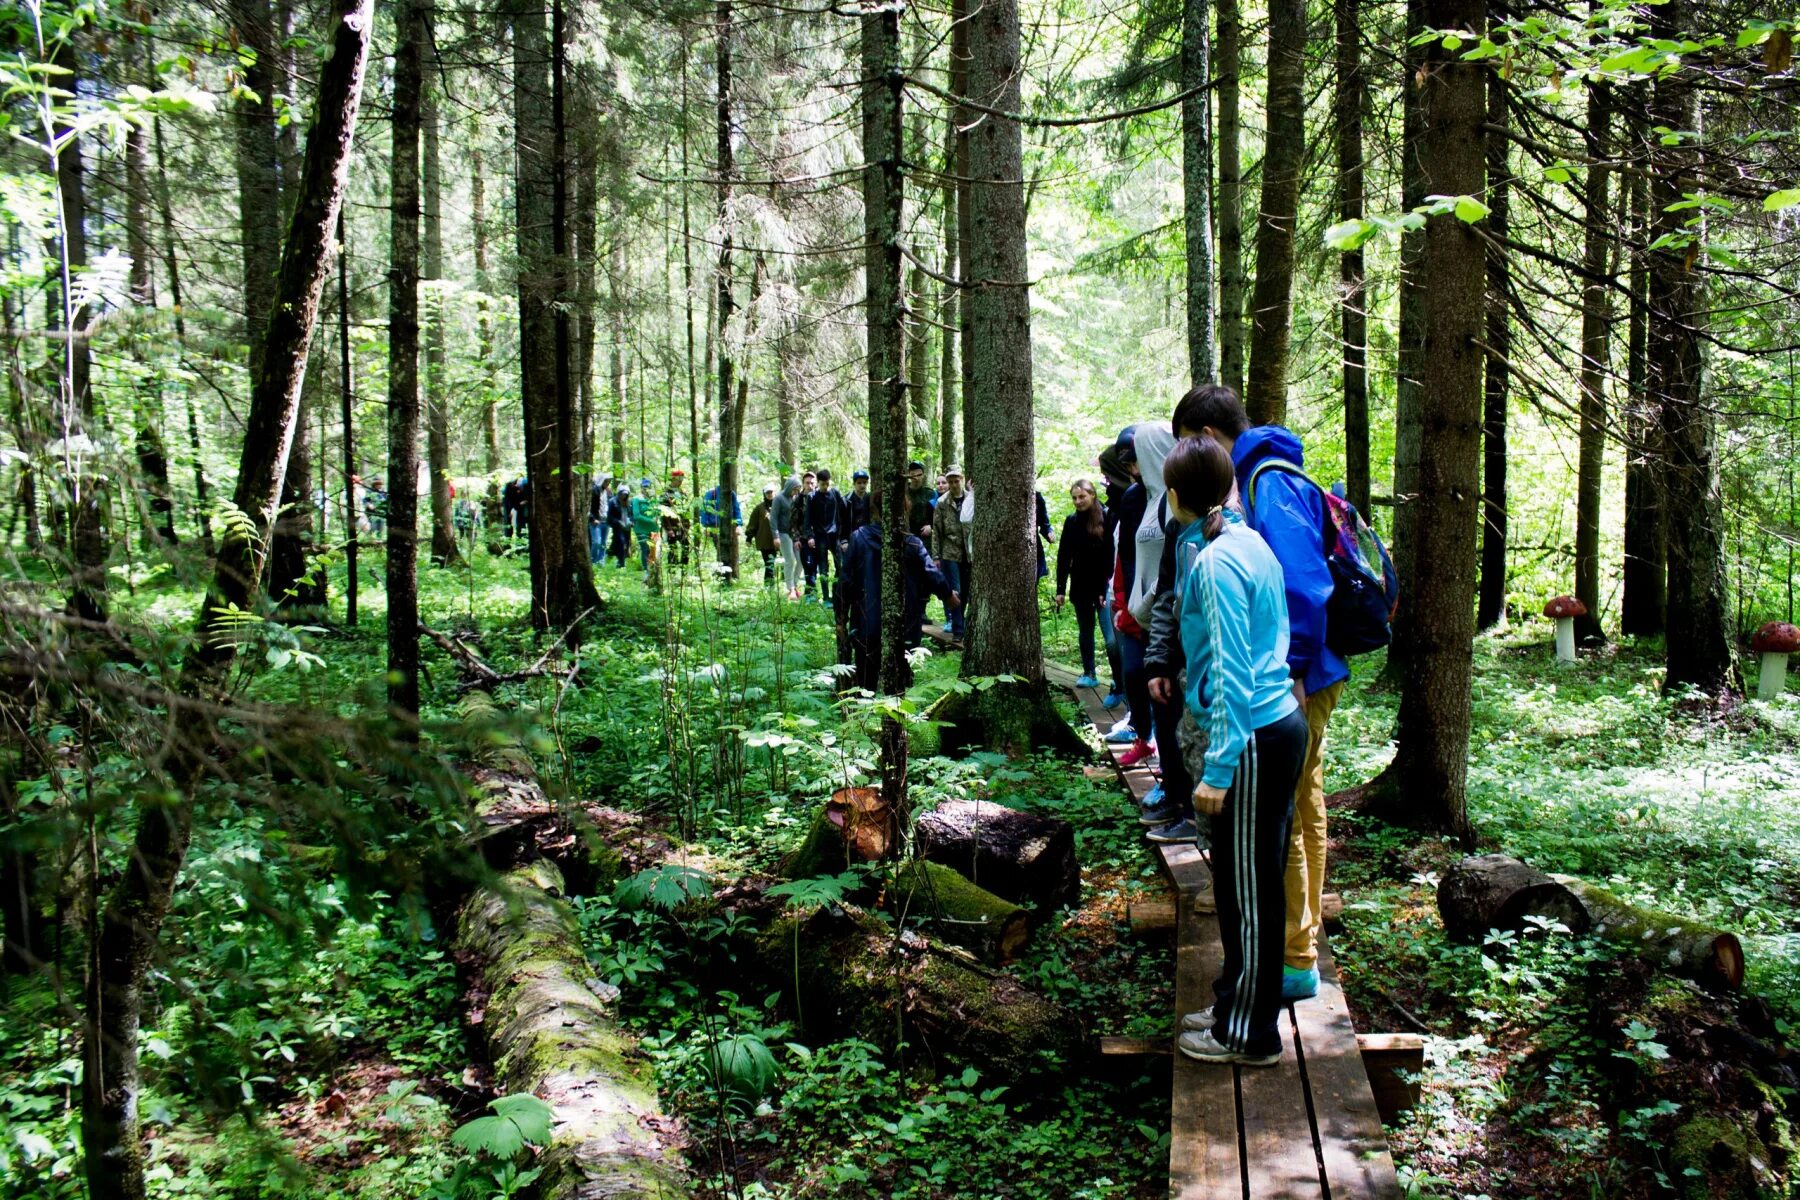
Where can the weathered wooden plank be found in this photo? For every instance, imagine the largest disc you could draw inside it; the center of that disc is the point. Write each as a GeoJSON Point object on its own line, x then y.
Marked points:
{"type": "Point", "coordinates": [1151, 916]}
{"type": "Point", "coordinates": [1122, 1047]}
{"type": "Point", "coordinates": [1392, 1062]}
{"type": "Point", "coordinates": [1204, 1161]}
{"type": "Point", "coordinates": [1279, 1147]}
{"type": "Point", "coordinates": [1351, 1142]}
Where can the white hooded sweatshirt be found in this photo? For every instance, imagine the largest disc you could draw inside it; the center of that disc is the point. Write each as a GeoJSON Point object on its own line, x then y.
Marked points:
{"type": "Point", "coordinates": [1153, 442]}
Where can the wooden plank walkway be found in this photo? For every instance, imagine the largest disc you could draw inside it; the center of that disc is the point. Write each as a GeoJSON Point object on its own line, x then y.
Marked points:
{"type": "Point", "coordinates": [1305, 1129]}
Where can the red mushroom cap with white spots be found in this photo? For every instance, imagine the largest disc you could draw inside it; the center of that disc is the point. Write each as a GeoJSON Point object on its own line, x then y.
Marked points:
{"type": "Point", "coordinates": [1777, 637]}
{"type": "Point", "coordinates": [1565, 606]}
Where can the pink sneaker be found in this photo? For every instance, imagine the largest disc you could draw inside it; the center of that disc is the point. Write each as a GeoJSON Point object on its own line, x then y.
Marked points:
{"type": "Point", "coordinates": [1139, 751]}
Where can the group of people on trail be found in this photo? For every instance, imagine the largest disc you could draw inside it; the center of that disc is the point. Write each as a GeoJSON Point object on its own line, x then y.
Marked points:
{"type": "Point", "coordinates": [1216, 574]}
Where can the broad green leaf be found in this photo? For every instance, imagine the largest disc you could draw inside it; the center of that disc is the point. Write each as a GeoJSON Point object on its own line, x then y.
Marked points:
{"type": "Point", "coordinates": [1470, 210]}
{"type": "Point", "coordinates": [1784, 199]}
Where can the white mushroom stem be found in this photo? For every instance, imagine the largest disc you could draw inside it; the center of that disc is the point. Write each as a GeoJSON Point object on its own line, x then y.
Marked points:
{"type": "Point", "coordinates": [1565, 639]}
{"type": "Point", "coordinates": [1774, 675]}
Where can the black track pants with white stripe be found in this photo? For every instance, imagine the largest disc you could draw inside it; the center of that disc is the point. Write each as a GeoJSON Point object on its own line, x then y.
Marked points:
{"type": "Point", "coordinates": [1249, 860]}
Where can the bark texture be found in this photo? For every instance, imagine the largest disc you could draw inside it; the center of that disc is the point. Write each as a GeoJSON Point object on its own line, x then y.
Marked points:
{"type": "Point", "coordinates": [1229, 57]}
{"type": "Point", "coordinates": [1643, 597]}
{"type": "Point", "coordinates": [437, 360]}
{"type": "Point", "coordinates": [403, 364]}
{"type": "Point", "coordinates": [1272, 297]}
{"type": "Point", "coordinates": [1596, 336]}
{"type": "Point", "coordinates": [1490, 605]}
{"type": "Point", "coordinates": [1196, 191]}
{"type": "Point", "coordinates": [1431, 760]}
{"type": "Point", "coordinates": [1353, 319]}
{"type": "Point", "coordinates": [1024, 857]}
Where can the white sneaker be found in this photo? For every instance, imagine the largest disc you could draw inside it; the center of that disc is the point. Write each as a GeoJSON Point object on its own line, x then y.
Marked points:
{"type": "Point", "coordinates": [1195, 1021]}
{"type": "Point", "coordinates": [1202, 1046]}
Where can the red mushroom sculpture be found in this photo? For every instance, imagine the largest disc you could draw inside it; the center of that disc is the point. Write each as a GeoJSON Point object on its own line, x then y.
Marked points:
{"type": "Point", "coordinates": [1773, 643]}
{"type": "Point", "coordinates": [1563, 610]}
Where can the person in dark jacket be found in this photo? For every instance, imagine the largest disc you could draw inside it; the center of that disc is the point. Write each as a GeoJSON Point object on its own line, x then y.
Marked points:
{"type": "Point", "coordinates": [803, 539]}
{"type": "Point", "coordinates": [1044, 534]}
{"type": "Point", "coordinates": [824, 514]}
{"type": "Point", "coordinates": [859, 599]}
{"type": "Point", "coordinates": [618, 519]}
{"type": "Point", "coordinates": [856, 507]}
{"type": "Point", "coordinates": [1084, 563]}
{"type": "Point", "coordinates": [922, 497]}
{"type": "Point", "coordinates": [761, 534]}
{"type": "Point", "coordinates": [600, 500]}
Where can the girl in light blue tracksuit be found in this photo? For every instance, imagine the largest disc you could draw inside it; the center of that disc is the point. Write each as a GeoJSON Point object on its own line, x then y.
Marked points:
{"type": "Point", "coordinates": [1234, 629]}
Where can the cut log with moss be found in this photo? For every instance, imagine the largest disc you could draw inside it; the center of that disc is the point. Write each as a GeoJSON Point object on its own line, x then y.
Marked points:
{"type": "Point", "coordinates": [1013, 718]}
{"type": "Point", "coordinates": [1493, 891]}
{"type": "Point", "coordinates": [941, 903]}
{"type": "Point", "coordinates": [1679, 945]}
{"type": "Point", "coordinates": [1024, 857]}
{"type": "Point", "coordinates": [548, 1024]}
{"type": "Point", "coordinates": [854, 826]}
{"type": "Point", "coordinates": [849, 974]}
{"type": "Point", "coordinates": [550, 1030]}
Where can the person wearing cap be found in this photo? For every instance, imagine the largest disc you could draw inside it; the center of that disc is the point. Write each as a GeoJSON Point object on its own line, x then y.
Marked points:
{"type": "Point", "coordinates": [646, 519]}
{"type": "Point", "coordinates": [618, 520]}
{"type": "Point", "coordinates": [856, 507]}
{"type": "Point", "coordinates": [950, 543]}
{"type": "Point", "coordinates": [675, 519]}
{"type": "Point", "coordinates": [760, 533]}
{"type": "Point", "coordinates": [921, 498]}
{"type": "Point", "coordinates": [782, 516]}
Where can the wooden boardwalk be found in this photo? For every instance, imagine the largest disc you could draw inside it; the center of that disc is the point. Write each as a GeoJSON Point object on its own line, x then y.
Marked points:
{"type": "Point", "coordinates": [1305, 1129]}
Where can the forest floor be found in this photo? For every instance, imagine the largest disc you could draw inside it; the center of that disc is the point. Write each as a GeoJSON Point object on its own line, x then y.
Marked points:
{"type": "Point", "coordinates": [310, 1039]}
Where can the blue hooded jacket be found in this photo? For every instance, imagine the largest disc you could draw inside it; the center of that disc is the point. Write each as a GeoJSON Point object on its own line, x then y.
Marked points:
{"type": "Point", "coordinates": [859, 600]}
{"type": "Point", "coordinates": [1290, 515]}
{"type": "Point", "coordinates": [1234, 632]}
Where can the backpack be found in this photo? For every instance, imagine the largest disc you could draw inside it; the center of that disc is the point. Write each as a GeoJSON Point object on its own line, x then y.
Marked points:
{"type": "Point", "coordinates": [1365, 592]}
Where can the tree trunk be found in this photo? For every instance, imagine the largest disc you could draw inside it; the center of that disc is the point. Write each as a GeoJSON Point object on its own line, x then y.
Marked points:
{"type": "Point", "coordinates": [1021, 856]}
{"type": "Point", "coordinates": [294, 586]}
{"type": "Point", "coordinates": [1490, 606]}
{"type": "Point", "coordinates": [1196, 192]}
{"type": "Point", "coordinates": [171, 261]}
{"type": "Point", "coordinates": [484, 322]}
{"type": "Point", "coordinates": [787, 407]}
{"type": "Point", "coordinates": [134, 911]}
{"type": "Point", "coordinates": [1431, 759]}
{"type": "Point", "coordinates": [403, 366]}
{"type": "Point", "coordinates": [1408, 431]}
{"type": "Point", "coordinates": [437, 359]}
{"type": "Point", "coordinates": [1004, 638]}
{"type": "Point", "coordinates": [87, 512]}
{"type": "Point", "coordinates": [1229, 53]}
{"type": "Point", "coordinates": [585, 169]}
{"type": "Point", "coordinates": [1714, 957]}
{"type": "Point", "coordinates": [1642, 597]}
{"type": "Point", "coordinates": [729, 431]}
{"type": "Point", "coordinates": [960, 118]}
{"type": "Point", "coordinates": [258, 169]}
{"type": "Point", "coordinates": [687, 282]}
{"type": "Point", "coordinates": [562, 582]}
{"type": "Point", "coordinates": [346, 402]}
{"type": "Point", "coordinates": [949, 373]}
{"type": "Point", "coordinates": [1272, 295]}
{"type": "Point", "coordinates": [1351, 98]}
{"type": "Point", "coordinates": [1596, 333]}
{"type": "Point", "coordinates": [617, 376]}
{"type": "Point", "coordinates": [1701, 657]}
{"type": "Point", "coordinates": [889, 440]}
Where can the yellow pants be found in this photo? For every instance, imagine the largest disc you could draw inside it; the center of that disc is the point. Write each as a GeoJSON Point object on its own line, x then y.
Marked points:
{"type": "Point", "coordinates": [1306, 849]}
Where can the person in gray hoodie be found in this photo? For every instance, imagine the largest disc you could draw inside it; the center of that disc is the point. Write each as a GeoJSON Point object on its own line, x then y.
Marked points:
{"type": "Point", "coordinates": [781, 515]}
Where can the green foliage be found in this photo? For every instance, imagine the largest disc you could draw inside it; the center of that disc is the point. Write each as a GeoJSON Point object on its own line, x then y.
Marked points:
{"type": "Point", "coordinates": [516, 1122]}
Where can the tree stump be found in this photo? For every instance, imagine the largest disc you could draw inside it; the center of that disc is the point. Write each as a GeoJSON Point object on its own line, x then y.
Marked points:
{"type": "Point", "coordinates": [954, 910]}
{"type": "Point", "coordinates": [854, 826]}
{"type": "Point", "coordinates": [1024, 857]}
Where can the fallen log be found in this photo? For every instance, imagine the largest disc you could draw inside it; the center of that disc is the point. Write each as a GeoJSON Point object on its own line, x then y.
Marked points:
{"type": "Point", "coordinates": [942, 903]}
{"type": "Point", "coordinates": [550, 1031]}
{"type": "Point", "coordinates": [849, 974]}
{"type": "Point", "coordinates": [1493, 891]}
{"type": "Point", "coordinates": [1714, 957]}
{"type": "Point", "coordinates": [548, 1025]}
{"type": "Point", "coordinates": [1025, 857]}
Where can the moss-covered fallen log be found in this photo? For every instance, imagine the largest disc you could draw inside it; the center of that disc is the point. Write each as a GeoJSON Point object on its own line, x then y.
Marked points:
{"type": "Point", "coordinates": [944, 905]}
{"type": "Point", "coordinates": [1027, 858]}
{"type": "Point", "coordinates": [850, 974]}
{"type": "Point", "coordinates": [547, 1023]}
{"type": "Point", "coordinates": [550, 1031]}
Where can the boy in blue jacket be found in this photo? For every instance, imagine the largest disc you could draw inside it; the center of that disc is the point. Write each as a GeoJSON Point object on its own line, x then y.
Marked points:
{"type": "Point", "coordinates": [1234, 632]}
{"type": "Point", "coordinates": [1289, 512]}
{"type": "Point", "coordinates": [859, 595]}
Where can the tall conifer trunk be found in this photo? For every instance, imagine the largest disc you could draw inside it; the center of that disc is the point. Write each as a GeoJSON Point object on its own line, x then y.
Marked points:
{"type": "Point", "coordinates": [1643, 597]}
{"type": "Point", "coordinates": [729, 431]}
{"type": "Point", "coordinates": [1229, 58]}
{"type": "Point", "coordinates": [1272, 296]}
{"type": "Point", "coordinates": [1352, 96]}
{"type": "Point", "coordinates": [1700, 655]}
{"type": "Point", "coordinates": [1490, 606]}
{"type": "Point", "coordinates": [403, 365]}
{"type": "Point", "coordinates": [1196, 191]}
{"type": "Point", "coordinates": [1432, 742]}
{"type": "Point", "coordinates": [1596, 334]}
{"type": "Point", "coordinates": [437, 360]}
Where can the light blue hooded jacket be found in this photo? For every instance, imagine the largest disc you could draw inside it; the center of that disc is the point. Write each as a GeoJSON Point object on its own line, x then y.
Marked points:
{"type": "Point", "coordinates": [1234, 628]}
